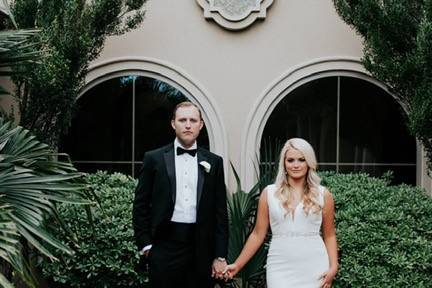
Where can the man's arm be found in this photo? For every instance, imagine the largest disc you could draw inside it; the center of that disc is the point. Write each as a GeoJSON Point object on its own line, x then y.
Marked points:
{"type": "Point", "coordinates": [221, 229]}
{"type": "Point", "coordinates": [141, 214]}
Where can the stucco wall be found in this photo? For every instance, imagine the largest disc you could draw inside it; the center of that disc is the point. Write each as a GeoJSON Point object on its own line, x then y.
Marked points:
{"type": "Point", "coordinates": [234, 71]}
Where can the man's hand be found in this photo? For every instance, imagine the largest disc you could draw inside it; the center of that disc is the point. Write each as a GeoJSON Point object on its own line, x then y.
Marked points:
{"type": "Point", "coordinates": [218, 268]}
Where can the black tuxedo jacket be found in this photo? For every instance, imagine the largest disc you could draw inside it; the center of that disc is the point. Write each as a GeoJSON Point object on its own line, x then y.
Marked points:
{"type": "Point", "coordinates": [155, 198]}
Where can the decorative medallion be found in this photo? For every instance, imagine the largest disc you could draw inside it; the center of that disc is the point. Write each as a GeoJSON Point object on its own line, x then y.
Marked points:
{"type": "Point", "coordinates": [235, 14]}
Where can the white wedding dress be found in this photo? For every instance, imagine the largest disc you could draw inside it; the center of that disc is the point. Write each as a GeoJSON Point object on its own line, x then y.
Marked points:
{"type": "Point", "coordinates": [297, 255]}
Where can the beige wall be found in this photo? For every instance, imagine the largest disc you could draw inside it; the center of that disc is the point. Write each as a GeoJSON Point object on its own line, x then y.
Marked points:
{"type": "Point", "coordinates": [238, 75]}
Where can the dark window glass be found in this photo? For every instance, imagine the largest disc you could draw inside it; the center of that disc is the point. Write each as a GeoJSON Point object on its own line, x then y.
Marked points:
{"type": "Point", "coordinates": [154, 103]}
{"type": "Point", "coordinates": [322, 167]}
{"type": "Point", "coordinates": [109, 167]}
{"type": "Point", "coordinates": [401, 174]}
{"type": "Point", "coordinates": [372, 128]}
{"type": "Point", "coordinates": [103, 128]}
{"type": "Point", "coordinates": [308, 112]}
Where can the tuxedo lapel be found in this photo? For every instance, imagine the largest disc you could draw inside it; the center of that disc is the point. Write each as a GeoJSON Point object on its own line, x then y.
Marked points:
{"type": "Point", "coordinates": [170, 166]}
{"type": "Point", "coordinates": [201, 175]}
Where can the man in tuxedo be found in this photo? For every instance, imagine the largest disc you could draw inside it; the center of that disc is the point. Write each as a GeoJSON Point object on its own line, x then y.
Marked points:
{"type": "Point", "coordinates": [180, 212]}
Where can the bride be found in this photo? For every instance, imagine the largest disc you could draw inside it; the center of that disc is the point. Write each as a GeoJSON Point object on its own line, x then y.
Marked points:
{"type": "Point", "coordinates": [297, 208]}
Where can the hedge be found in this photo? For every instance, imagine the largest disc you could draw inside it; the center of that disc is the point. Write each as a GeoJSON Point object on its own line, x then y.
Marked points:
{"type": "Point", "coordinates": [384, 232]}
{"type": "Point", "coordinates": [107, 255]}
{"type": "Point", "coordinates": [384, 235]}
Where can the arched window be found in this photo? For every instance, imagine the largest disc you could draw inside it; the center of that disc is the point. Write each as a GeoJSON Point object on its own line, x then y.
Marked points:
{"type": "Point", "coordinates": [119, 120]}
{"type": "Point", "coordinates": [353, 125]}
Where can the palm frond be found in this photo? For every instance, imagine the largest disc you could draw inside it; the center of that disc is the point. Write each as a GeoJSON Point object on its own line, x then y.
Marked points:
{"type": "Point", "coordinates": [32, 180]}
{"type": "Point", "coordinates": [5, 8]}
{"type": "Point", "coordinates": [242, 211]}
{"type": "Point", "coordinates": [16, 49]}
{"type": "Point", "coordinates": [242, 208]}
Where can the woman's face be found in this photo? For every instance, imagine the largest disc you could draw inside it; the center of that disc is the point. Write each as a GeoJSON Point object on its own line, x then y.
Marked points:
{"type": "Point", "coordinates": [295, 164]}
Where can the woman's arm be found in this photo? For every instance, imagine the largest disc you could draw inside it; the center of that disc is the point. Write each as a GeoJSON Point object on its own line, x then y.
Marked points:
{"type": "Point", "coordinates": [255, 239]}
{"type": "Point", "coordinates": [329, 237]}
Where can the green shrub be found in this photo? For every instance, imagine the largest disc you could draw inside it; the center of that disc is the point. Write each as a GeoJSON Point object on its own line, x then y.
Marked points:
{"type": "Point", "coordinates": [107, 254]}
{"type": "Point", "coordinates": [384, 232]}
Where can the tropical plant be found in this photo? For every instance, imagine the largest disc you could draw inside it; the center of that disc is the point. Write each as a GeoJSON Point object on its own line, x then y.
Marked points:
{"type": "Point", "coordinates": [72, 34]}
{"type": "Point", "coordinates": [32, 181]}
{"type": "Point", "coordinates": [15, 49]}
{"type": "Point", "coordinates": [242, 209]}
{"type": "Point", "coordinates": [397, 38]}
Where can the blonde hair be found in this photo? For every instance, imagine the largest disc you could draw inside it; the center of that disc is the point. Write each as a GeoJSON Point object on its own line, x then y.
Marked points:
{"type": "Point", "coordinates": [311, 193]}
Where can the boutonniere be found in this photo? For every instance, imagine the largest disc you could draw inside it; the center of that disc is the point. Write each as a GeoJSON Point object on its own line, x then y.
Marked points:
{"type": "Point", "coordinates": [206, 166]}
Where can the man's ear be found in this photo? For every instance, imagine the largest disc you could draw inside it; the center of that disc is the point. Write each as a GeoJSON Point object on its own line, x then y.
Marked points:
{"type": "Point", "coordinates": [172, 124]}
{"type": "Point", "coordinates": [201, 124]}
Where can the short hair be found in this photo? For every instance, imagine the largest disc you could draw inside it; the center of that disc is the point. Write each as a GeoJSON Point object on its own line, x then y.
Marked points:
{"type": "Point", "coordinates": [185, 104]}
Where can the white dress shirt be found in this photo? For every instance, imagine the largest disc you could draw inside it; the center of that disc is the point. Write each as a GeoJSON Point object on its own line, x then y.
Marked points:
{"type": "Point", "coordinates": [186, 170]}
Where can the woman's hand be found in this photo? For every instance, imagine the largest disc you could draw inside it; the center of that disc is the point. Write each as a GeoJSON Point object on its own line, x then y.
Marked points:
{"type": "Point", "coordinates": [327, 277]}
{"type": "Point", "coordinates": [230, 271]}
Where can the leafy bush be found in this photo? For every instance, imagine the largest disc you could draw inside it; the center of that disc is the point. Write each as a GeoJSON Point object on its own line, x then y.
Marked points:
{"type": "Point", "coordinates": [384, 232]}
{"type": "Point", "coordinates": [107, 255]}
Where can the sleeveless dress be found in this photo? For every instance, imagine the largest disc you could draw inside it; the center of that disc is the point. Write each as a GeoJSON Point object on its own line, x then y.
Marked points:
{"type": "Point", "coordinates": [297, 255]}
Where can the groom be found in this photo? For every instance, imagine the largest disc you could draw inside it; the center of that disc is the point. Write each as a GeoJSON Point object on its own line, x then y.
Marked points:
{"type": "Point", "coordinates": [180, 211]}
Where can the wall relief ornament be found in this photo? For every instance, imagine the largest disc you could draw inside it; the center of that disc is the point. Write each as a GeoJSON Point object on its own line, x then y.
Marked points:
{"type": "Point", "coordinates": [235, 14]}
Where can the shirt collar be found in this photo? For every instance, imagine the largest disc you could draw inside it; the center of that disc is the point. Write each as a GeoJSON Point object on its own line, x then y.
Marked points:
{"type": "Point", "coordinates": [177, 144]}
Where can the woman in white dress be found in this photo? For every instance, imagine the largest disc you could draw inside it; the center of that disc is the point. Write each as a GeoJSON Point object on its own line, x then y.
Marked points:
{"type": "Point", "coordinates": [296, 208]}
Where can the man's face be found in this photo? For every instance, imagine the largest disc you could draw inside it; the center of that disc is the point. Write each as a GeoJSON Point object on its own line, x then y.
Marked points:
{"type": "Point", "coordinates": [187, 125]}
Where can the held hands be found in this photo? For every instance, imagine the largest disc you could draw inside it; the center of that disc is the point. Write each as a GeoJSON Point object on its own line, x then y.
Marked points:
{"type": "Point", "coordinates": [230, 271]}
{"type": "Point", "coordinates": [327, 278]}
{"type": "Point", "coordinates": [146, 253]}
{"type": "Point", "coordinates": [218, 268]}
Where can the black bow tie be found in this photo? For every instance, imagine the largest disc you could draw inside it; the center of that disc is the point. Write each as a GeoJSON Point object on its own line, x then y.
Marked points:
{"type": "Point", "coordinates": [191, 152]}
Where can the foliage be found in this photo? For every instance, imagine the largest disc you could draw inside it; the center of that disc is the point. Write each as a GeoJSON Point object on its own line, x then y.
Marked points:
{"type": "Point", "coordinates": [107, 254]}
{"type": "Point", "coordinates": [384, 232]}
{"type": "Point", "coordinates": [32, 180]}
{"type": "Point", "coordinates": [15, 49]}
{"type": "Point", "coordinates": [398, 51]}
{"type": "Point", "coordinates": [242, 209]}
{"type": "Point", "coordinates": [72, 33]}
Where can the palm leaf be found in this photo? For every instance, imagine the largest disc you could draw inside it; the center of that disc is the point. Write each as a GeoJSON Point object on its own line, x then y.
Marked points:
{"type": "Point", "coordinates": [4, 282]}
{"type": "Point", "coordinates": [15, 50]}
{"type": "Point", "coordinates": [4, 8]}
{"type": "Point", "coordinates": [242, 208]}
{"type": "Point", "coordinates": [32, 180]}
